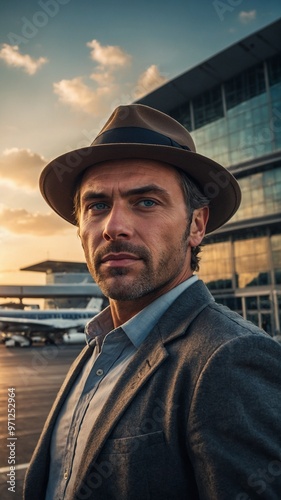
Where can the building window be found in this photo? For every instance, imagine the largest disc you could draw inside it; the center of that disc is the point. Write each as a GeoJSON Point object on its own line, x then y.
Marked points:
{"type": "Point", "coordinates": [252, 262]}
{"type": "Point", "coordinates": [245, 86]}
{"type": "Point", "coordinates": [276, 256]}
{"type": "Point", "coordinates": [261, 195]}
{"type": "Point", "coordinates": [258, 309]}
{"type": "Point", "coordinates": [216, 265]}
{"type": "Point", "coordinates": [274, 77]}
{"type": "Point", "coordinates": [274, 70]}
{"type": "Point", "coordinates": [234, 303]}
{"type": "Point", "coordinates": [182, 115]}
{"type": "Point", "coordinates": [208, 107]}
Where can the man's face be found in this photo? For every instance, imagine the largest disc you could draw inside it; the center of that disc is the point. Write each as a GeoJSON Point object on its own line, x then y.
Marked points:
{"type": "Point", "coordinates": [133, 226]}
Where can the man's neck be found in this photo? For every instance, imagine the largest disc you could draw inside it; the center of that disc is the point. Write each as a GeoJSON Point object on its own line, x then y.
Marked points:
{"type": "Point", "coordinates": [122, 311]}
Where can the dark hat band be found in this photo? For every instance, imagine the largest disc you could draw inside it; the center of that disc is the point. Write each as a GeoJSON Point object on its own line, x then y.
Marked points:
{"type": "Point", "coordinates": [136, 135]}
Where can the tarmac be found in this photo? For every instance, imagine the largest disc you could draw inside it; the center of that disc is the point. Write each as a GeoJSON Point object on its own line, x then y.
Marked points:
{"type": "Point", "coordinates": [29, 381]}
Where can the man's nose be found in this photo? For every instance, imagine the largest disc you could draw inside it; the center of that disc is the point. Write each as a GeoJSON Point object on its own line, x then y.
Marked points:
{"type": "Point", "coordinates": [118, 224]}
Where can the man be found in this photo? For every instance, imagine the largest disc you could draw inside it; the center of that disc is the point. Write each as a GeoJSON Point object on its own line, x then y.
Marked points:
{"type": "Point", "coordinates": [175, 396]}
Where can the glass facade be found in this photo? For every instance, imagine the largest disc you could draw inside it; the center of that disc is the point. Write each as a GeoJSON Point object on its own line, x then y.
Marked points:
{"type": "Point", "coordinates": [261, 194]}
{"type": "Point", "coordinates": [276, 257]}
{"type": "Point", "coordinates": [239, 120]}
{"type": "Point", "coordinates": [208, 107]}
{"type": "Point", "coordinates": [233, 265]}
{"type": "Point", "coordinates": [242, 260]}
{"type": "Point", "coordinates": [217, 265]}
{"type": "Point", "coordinates": [274, 76]}
{"type": "Point", "coordinates": [237, 123]}
{"type": "Point", "coordinates": [252, 265]}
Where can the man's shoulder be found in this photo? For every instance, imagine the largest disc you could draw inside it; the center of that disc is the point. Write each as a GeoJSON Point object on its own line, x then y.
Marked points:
{"type": "Point", "coordinates": [217, 325]}
{"type": "Point", "coordinates": [218, 336]}
{"type": "Point", "coordinates": [205, 325]}
{"type": "Point", "coordinates": [235, 321]}
{"type": "Point", "coordinates": [199, 304]}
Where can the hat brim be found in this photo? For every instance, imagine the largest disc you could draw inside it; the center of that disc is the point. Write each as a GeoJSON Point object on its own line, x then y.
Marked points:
{"type": "Point", "coordinates": [59, 178]}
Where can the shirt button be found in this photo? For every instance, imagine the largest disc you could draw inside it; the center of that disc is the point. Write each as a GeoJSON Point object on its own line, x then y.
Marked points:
{"type": "Point", "coordinates": [99, 372]}
{"type": "Point", "coordinates": [65, 475]}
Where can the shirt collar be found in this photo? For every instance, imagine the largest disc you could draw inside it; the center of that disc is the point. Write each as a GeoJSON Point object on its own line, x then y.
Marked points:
{"type": "Point", "coordinates": [99, 326]}
{"type": "Point", "coordinates": [139, 326]}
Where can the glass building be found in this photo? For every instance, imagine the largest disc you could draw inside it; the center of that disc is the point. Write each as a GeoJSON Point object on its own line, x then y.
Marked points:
{"type": "Point", "coordinates": [231, 104]}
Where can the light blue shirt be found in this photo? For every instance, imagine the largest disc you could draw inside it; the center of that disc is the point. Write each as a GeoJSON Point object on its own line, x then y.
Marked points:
{"type": "Point", "coordinates": [114, 349]}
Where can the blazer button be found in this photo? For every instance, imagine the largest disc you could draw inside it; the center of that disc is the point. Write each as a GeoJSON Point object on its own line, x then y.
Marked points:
{"type": "Point", "coordinates": [99, 372]}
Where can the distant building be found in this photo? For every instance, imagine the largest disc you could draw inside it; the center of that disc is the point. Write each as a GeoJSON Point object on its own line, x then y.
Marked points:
{"type": "Point", "coordinates": [231, 104]}
{"type": "Point", "coordinates": [61, 273]}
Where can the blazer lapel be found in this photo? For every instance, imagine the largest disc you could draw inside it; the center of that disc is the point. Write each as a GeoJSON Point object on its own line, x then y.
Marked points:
{"type": "Point", "coordinates": [146, 361]}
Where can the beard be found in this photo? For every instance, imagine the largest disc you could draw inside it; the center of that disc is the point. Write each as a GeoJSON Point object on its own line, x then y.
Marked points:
{"type": "Point", "coordinates": [121, 284]}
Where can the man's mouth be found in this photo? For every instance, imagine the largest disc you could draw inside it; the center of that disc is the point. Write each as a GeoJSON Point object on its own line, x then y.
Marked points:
{"type": "Point", "coordinates": [119, 259]}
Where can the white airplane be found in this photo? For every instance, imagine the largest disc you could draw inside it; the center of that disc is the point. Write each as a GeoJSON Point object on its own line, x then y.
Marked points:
{"type": "Point", "coordinates": [24, 327]}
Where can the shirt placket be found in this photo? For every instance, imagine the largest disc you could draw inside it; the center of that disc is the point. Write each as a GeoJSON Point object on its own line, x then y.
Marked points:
{"type": "Point", "coordinates": [100, 368]}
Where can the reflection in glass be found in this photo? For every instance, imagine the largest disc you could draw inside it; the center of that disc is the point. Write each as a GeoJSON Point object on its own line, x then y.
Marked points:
{"type": "Point", "coordinates": [208, 107]}
{"type": "Point", "coordinates": [215, 267]}
{"type": "Point", "coordinates": [261, 195]}
{"type": "Point", "coordinates": [245, 86]}
{"type": "Point", "coordinates": [252, 262]}
{"type": "Point", "coordinates": [235, 122]}
{"type": "Point", "coordinates": [249, 126]}
{"type": "Point", "coordinates": [276, 256]}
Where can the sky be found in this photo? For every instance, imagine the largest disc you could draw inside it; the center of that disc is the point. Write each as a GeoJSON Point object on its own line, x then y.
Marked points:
{"type": "Point", "coordinates": [64, 66]}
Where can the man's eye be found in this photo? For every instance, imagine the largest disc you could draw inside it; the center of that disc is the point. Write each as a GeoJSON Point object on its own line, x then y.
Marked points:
{"type": "Point", "coordinates": [147, 203]}
{"type": "Point", "coordinates": [98, 206]}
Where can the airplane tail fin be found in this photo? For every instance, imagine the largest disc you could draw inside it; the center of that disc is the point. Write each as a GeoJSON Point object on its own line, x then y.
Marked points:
{"type": "Point", "coordinates": [95, 303]}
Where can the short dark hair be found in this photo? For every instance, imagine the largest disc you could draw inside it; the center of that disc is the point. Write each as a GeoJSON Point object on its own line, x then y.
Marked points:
{"type": "Point", "coordinates": [194, 199]}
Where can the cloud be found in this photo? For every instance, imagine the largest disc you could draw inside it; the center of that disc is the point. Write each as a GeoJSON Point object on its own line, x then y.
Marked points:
{"type": "Point", "coordinates": [103, 78]}
{"type": "Point", "coordinates": [94, 100]}
{"type": "Point", "coordinates": [108, 55]}
{"type": "Point", "coordinates": [20, 221]}
{"type": "Point", "coordinates": [82, 97]}
{"type": "Point", "coordinates": [247, 17]}
{"type": "Point", "coordinates": [11, 55]}
{"type": "Point", "coordinates": [149, 80]}
{"type": "Point", "coordinates": [21, 166]}
{"type": "Point", "coordinates": [106, 89]}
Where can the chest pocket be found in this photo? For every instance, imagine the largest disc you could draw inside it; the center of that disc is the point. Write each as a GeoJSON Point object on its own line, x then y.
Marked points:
{"type": "Point", "coordinates": [135, 447]}
{"type": "Point", "coordinates": [125, 465]}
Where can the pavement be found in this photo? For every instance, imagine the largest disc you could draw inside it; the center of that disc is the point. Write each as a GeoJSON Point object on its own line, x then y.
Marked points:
{"type": "Point", "coordinates": [29, 381]}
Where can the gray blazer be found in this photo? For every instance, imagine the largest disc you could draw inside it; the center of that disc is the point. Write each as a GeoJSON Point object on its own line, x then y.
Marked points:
{"type": "Point", "coordinates": [195, 415]}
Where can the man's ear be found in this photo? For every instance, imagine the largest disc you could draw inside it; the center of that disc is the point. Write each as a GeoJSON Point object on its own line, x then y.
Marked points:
{"type": "Point", "coordinates": [198, 226]}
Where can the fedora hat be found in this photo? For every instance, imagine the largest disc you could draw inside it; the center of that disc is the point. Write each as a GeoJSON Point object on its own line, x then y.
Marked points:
{"type": "Point", "coordinates": [138, 131]}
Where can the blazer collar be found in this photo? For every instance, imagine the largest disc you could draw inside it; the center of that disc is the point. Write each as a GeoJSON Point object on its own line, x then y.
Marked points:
{"type": "Point", "coordinates": [184, 310]}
